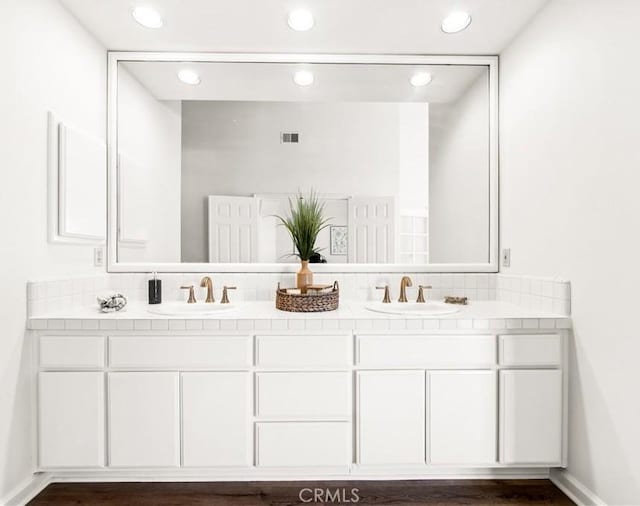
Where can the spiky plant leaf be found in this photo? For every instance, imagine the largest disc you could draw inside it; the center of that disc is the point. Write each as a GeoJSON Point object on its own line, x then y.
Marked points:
{"type": "Point", "coordinates": [305, 221]}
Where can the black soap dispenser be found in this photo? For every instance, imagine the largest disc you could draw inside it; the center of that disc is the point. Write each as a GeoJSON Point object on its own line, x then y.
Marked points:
{"type": "Point", "coordinates": [155, 290]}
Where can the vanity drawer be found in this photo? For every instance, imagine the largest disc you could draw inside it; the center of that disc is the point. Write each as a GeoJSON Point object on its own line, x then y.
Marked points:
{"type": "Point", "coordinates": [426, 351]}
{"type": "Point", "coordinates": [306, 395]}
{"type": "Point", "coordinates": [187, 352]}
{"type": "Point", "coordinates": [72, 352]}
{"type": "Point", "coordinates": [285, 444]}
{"type": "Point", "coordinates": [303, 351]}
{"type": "Point", "coordinates": [530, 349]}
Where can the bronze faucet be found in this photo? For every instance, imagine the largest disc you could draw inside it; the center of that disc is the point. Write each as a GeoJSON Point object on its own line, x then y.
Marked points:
{"type": "Point", "coordinates": [421, 289]}
{"type": "Point", "coordinates": [192, 297]}
{"type": "Point", "coordinates": [225, 297]}
{"type": "Point", "coordinates": [387, 297]}
{"type": "Point", "coordinates": [404, 283]}
{"type": "Point", "coordinates": [208, 284]}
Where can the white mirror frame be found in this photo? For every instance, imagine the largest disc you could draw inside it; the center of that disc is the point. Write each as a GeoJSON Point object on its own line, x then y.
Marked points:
{"type": "Point", "coordinates": [114, 57]}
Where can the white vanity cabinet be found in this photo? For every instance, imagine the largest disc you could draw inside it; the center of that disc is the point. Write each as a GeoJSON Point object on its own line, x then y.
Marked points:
{"type": "Point", "coordinates": [299, 403]}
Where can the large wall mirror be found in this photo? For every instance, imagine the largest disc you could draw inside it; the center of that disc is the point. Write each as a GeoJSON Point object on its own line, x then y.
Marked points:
{"type": "Point", "coordinates": [206, 150]}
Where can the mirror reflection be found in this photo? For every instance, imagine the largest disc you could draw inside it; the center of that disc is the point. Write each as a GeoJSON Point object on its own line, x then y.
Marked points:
{"type": "Point", "coordinates": [398, 154]}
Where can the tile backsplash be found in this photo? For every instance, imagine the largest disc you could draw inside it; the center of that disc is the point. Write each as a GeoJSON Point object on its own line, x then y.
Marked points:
{"type": "Point", "coordinates": [533, 293]}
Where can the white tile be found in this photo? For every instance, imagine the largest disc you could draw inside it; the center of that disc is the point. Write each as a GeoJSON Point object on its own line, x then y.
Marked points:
{"type": "Point", "coordinates": [228, 324]}
{"type": "Point", "coordinates": [55, 325]}
{"type": "Point", "coordinates": [313, 323]}
{"type": "Point", "coordinates": [108, 325]}
{"type": "Point", "coordinates": [295, 324]}
{"type": "Point", "coordinates": [547, 289]}
{"type": "Point", "coordinates": [530, 323]}
{"type": "Point", "coordinates": [497, 324]}
{"type": "Point", "coordinates": [364, 325]}
{"type": "Point", "coordinates": [464, 324]}
{"type": "Point", "coordinates": [211, 325]}
{"type": "Point", "coordinates": [124, 324]}
{"type": "Point", "coordinates": [73, 324]}
{"type": "Point", "coordinates": [414, 324]}
{"type": "Point", "coordinates": [193, 324]}
{"type": "Point", "coordinates": [380, 324]}
{"type": "Point", "coordinates": [142, 324]}
{"type": "Point", "coordinates": [331, 324]}
{"type": "Point", "coordinates": [346, 324]}
{"type": "Point", "coordinates": [398, 324]}
{"type": "Point", "coordinates": [547, 323]}
{"type": "Point", "coordinates": [481, 324]}
{"type": "Point", "coordinates": [431, 324]}
{"type": "Point", "coordinates": [448, 324]}
{"type": "Point", "coordinates": [470, 281]}
{"type": "Point", "coordinates": [513, 323]}
{"type": "Point", "coordinates": [38, 324]}
{"type": "Point", "coordinates": [160, 324]}
{"type": "Point", "coordinates": [92, 324]}
{"type": "Point", "coordinates": [263, 324]}
{"type": "Point", "coordinates": [279, 324]}
{"type": "Point", "coordinates": [177, 325]}
{"type": "Point", "coordinates": [564, 323]}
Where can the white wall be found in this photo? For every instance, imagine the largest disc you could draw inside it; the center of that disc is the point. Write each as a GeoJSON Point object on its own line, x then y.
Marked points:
{"type": "Point", "coordinates": [149, 133]}
{"type": "Point", "coordinates": [233, 148]}
{"type": "Point", "coordinates": [48, 63]}
{"type": "Point", "coordinates": [459, 177]}
{"type": "Point", "coordinates": [570, 172]}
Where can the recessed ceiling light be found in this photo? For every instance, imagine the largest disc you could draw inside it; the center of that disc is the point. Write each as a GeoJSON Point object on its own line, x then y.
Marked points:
{"type": "Point", "coordinates": [456, 22]}
{"type": "Point", "coordinates": [303, 78]}
{"type": "Point", "coordinates": [300, 20]}
{"type": "Point", "coordinates": [147, 17]}
{"type": "Point", "coordinates": [420, 79]}
{"type": "Point", "coordinates": [189, 77]}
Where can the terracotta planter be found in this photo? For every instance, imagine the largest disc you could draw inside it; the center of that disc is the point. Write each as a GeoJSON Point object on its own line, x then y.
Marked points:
{"type": "Point", "coordinates": [304, 276]}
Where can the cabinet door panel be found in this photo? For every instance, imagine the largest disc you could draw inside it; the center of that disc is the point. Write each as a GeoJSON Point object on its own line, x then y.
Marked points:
{"type": "Point", "coordinates": [462, 417]}
{"type": "Point", "coordinates": [143, 419]}
{"type": "Point", "coordinates": [71, 425]}
{"type": "Point", "coordinates": [391, 417]}
{"type": "Point", "coordinates": [216, 413]}
{"type": "Point", "coordinates": [531, 416]}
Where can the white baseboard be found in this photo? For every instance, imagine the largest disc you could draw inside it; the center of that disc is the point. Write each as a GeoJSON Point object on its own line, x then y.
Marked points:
{"type": "Point", "coordinates": [26, 490]}
{"type": "Point", "coordinates": [574, 489]}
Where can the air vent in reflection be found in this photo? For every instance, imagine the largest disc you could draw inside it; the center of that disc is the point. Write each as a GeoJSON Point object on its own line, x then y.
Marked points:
{"type": "Point", "coordinates": [289, 137]}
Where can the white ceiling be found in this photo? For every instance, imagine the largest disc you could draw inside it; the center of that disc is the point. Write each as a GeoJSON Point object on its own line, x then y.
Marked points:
{"type": "Point", "coordinates": [341, 26]}
{"type": "Point", "coordinates": [274, 82]}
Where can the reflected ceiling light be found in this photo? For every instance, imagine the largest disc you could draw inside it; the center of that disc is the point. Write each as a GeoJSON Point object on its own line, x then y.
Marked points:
{"type": "Point", "coordinates": [189, 77]}
{"type": "Point", "coordinates": [456, 22]}
{"type": "Point", "coordinates": [420, 79]}
{"type": "Point", "coordinates": [300, 20]}
{"type": "Point", "coordinates": [147, 17]}
{"type": "Point", "coordinates": [303, 78]}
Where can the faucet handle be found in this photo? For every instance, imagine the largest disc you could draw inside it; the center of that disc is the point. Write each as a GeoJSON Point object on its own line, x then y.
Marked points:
{"type": "Point", "coordinates": [192, 296]}
{"type": "Point", "coordinates": [421, 289]}
{"type": "Point", "coordinates": [387, 296]}
{"type": "Point", "coordinates": [225, 297]}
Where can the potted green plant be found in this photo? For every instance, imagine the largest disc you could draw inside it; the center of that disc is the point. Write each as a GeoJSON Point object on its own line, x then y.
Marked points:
{"type": "Point", "coordinates": [305, 221]}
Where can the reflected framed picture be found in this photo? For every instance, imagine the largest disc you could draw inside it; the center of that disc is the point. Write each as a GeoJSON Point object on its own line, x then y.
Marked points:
{"type": "Point", "coordinates": [338, 239]}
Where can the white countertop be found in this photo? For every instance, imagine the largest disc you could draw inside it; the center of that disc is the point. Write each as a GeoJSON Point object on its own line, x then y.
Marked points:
{"type": "Point", "coordinates": [264, 316]}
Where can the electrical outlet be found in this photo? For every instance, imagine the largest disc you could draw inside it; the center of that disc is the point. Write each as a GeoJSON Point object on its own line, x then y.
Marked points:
{"type": "Point", "coordinates": [98, 257]}
{"type": "Point", "coordinates": [506, 257]}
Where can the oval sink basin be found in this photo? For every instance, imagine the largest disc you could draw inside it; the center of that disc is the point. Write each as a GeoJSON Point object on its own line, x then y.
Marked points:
{"type": "Point", "coordinates": [414, 308]}
{"type": "Point", "coordinates": [184, 309]}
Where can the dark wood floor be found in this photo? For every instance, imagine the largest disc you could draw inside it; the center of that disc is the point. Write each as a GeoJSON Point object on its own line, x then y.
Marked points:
{"type": "Point", "coordinates": [428, 492]}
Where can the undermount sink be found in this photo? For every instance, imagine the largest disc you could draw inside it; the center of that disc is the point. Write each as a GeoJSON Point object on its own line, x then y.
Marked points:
{"type": "Point", "coordinates": [414, 308]}
{"type": "Point", "coordinates": [184, 309]}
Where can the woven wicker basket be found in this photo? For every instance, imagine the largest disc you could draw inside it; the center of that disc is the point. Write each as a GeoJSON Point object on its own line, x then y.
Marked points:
{"type": "Point", "coordinates": [308, 303]}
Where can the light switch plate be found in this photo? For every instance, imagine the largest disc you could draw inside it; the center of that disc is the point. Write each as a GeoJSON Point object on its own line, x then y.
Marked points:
{"type": "Point", "coordinates": [506, 257]}
{"type": "Point", "coordinates": [98, 257]}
